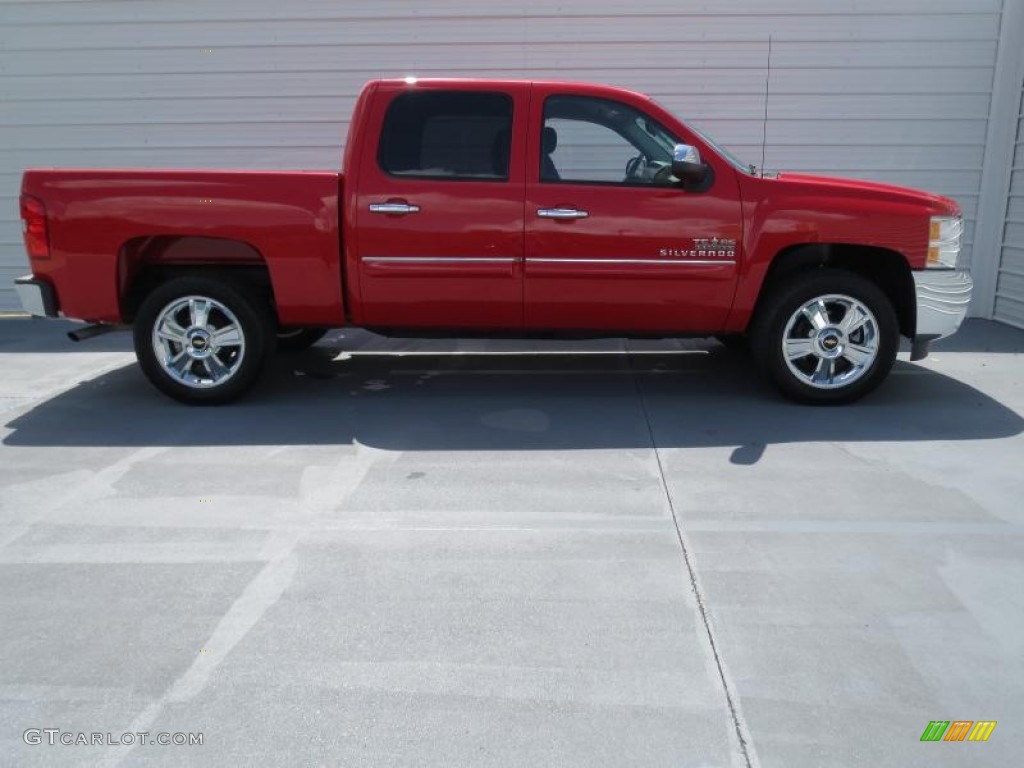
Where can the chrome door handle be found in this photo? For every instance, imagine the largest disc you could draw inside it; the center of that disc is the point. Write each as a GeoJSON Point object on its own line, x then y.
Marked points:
{"type": "Point", "coordinates": [394, 208]}
{"type": "Point", "coordinates": [561, 213]}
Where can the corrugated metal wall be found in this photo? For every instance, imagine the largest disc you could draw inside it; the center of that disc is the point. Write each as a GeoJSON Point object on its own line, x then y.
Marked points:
{"type": "Point", "coordinates": [896, 90]}
{"type": "Point", "coordinates": [1009, 299]}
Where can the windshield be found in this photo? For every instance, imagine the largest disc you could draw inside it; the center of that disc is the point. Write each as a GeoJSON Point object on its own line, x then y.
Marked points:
{"type": "Point", "coordinates": [729, 156]}
{"type": "Point", "coordinates": [734, 161]}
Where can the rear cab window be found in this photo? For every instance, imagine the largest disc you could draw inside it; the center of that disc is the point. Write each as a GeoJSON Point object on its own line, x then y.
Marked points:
{"type": "Point", "coordinates": [447, 135]}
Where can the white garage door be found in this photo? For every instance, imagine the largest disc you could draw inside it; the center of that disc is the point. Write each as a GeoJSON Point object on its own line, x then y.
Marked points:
{"type": "Point", "coordinates": [896, 90]}
{"type": "Point", "coordinates": [1009, 300]}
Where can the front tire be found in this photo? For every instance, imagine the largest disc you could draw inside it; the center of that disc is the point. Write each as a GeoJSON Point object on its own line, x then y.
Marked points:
{"type": "Point", "coordinates": [202, 341]}
{"type": "Point", "coordinates": [831, 336]}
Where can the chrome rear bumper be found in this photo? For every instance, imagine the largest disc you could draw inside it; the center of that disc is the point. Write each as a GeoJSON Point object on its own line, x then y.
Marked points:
{"type": "Point", "coordinates": [36, 296]}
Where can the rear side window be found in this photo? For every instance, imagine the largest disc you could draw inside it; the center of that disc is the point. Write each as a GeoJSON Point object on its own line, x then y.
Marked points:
{"type": "Point", "coordinates": [447, 135]}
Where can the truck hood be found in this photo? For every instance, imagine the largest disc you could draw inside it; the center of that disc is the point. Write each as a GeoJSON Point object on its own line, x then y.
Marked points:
{"type": "Point", "coordinates": [936, 204]}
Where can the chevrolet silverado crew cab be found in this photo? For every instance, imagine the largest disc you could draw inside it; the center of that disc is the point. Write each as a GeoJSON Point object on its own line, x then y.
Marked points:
{"type": "Point", "coordinates": [506, 208]}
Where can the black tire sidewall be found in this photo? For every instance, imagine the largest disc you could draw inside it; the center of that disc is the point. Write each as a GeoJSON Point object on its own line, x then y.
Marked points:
{"type": "Point", "coordinates": [255, 324]}
{"type": "Point", "coordinates": [769, 326]}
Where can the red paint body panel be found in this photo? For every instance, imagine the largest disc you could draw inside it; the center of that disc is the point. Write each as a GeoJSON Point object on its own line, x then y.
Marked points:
{"type": "Point", "coordinates": [471, 223]}
{"type": "Point", "coordinates": [597, 273]}
{"type": "Point", "coordinates": [330, 258]}
{"type": "Point", "coordinates": [290, 218]}
{"type": "Point", "coordinates": [796, 209]}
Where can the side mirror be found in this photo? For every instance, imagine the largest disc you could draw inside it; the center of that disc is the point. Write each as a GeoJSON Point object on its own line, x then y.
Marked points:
{"type": "Point", "coordinates": [687, 165]}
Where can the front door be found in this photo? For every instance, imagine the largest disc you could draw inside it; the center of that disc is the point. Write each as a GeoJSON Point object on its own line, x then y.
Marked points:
{"type": "Point", "coordinates": [440, 208]}
{"type": "Point", "coordinates": [611, 242]}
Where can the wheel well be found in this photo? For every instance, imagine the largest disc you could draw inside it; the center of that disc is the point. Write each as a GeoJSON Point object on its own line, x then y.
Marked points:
{"type": "Point", "coordinates": [146, 262]}
{"type": "Point", "coordinates": [888, 269]}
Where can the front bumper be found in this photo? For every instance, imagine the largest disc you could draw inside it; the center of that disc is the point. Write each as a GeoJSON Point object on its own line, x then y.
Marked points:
{"type": "Point", "coordinates": [36, 296]}
{"type": "Point", "coordinates": [942, 300]}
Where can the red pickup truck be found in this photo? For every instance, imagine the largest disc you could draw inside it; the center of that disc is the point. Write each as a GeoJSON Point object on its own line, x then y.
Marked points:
{"type": "Point", "coordinates": [499, 207]}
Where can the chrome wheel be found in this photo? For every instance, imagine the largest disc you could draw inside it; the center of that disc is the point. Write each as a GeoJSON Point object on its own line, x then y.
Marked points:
{"type": "Point", "coordinates": [831, 341]}
{"type": "Point", "coordinates": [198, 342]}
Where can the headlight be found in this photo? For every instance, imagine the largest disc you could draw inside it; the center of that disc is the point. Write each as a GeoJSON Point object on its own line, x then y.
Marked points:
{"type": "Point", "coordinates": [944, 235]}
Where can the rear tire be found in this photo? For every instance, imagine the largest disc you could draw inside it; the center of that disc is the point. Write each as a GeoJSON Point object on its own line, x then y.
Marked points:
{"type": "Point", "coordinates": [202, 341]}
{"type": "Point", "coordinates": [828, 337]}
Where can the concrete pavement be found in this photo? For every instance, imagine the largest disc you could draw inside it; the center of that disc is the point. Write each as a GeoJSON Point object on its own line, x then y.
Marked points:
{"type": "Point", "coordinates": [509, 553]}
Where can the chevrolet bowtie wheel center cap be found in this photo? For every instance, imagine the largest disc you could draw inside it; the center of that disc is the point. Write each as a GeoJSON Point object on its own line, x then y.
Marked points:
{"type": "Point", "coordinates": [198, 343]}
{"type": "Point", "coordinates": [830, 343]}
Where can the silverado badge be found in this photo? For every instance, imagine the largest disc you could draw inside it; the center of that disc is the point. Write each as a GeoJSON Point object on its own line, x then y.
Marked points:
{"type": "Point", "coordinates": [703, 248]}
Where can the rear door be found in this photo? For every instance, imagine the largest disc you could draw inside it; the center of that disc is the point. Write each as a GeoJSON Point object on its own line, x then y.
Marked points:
{"type": "Point", "coordinates": [611, 242]}
{"type": "Point", "coordinates": [440, 207]}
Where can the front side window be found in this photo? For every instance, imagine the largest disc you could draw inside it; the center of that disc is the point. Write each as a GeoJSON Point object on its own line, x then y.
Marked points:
{"type": "Point", "coordinates": [447, 135]}
{"type": "Point", "coordinates": [592, 140]}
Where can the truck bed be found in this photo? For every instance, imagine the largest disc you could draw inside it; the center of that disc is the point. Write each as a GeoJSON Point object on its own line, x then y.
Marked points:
{"type": "Point", "coordinates": [104, 225]}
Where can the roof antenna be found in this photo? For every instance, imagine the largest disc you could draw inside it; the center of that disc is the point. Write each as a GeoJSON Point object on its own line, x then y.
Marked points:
{"type": "Point", "coordinates": [764, 126]}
